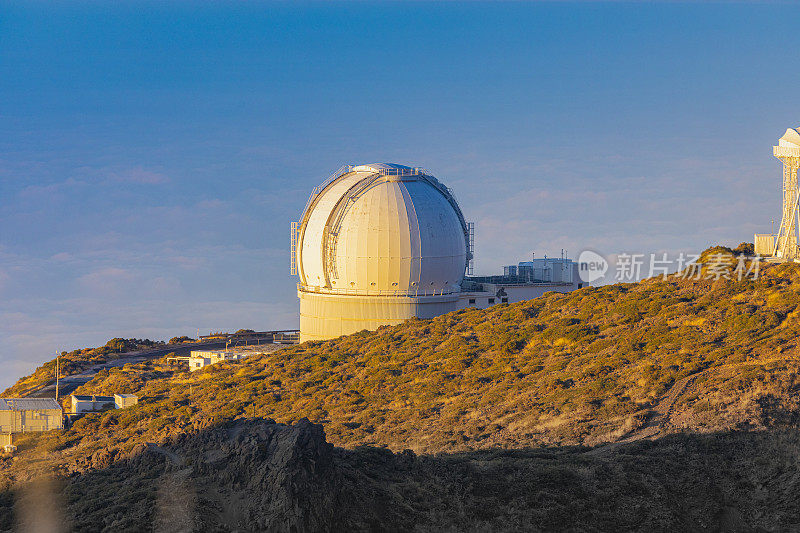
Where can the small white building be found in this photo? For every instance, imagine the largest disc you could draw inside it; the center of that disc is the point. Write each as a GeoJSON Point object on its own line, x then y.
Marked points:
{"type": "Point", "coordinates": [524, 281]}
{"type": "Point", "coordinates": [202, 358]}
{"type": "Point", "coordinates": [199, 359]}
{"type": "Point", "coordinates": [93, 403]}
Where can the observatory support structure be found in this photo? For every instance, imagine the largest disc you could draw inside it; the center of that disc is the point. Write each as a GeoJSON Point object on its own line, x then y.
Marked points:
{"type": "Point", "coordinates": [786, 243]}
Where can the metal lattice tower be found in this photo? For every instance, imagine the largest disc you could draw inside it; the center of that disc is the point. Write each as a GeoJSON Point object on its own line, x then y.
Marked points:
{"type": "Point", "coordinates": [788, 151]}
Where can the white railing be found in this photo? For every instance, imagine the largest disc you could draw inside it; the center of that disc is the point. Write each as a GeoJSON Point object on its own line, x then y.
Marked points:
{"type": "Point", "coordinates": [416, 171]}
{"type": "Point", "coordinates": [377, 292]}
{"type": "Point", "coordinates": [344, 169]}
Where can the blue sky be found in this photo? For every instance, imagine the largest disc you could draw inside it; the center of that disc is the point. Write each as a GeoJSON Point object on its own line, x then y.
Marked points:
{"type": "Point", "coordinates": [152, 156]}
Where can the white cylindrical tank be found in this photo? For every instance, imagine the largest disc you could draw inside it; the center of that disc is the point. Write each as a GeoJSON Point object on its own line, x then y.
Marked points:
{"type": "Point", "coordinates": [378, 244]}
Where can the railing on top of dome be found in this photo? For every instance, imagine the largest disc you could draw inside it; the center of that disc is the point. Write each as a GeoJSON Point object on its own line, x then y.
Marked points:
{"type": "Point", "coordinates": [344, 169]}
{"type": "Point", "coordinates": [402, 171]}
{"type": "Point", "coordinates": [419, 171]}
{"type": "Point", "coordinates": [448, 192]}
{"type": "Point", "coordinates": [378, 292]}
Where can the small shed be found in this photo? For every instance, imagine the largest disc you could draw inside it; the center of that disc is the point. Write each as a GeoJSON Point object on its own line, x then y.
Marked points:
{"type": "Point", "coordinates": [23, 415]}
{"type": "Point", "coordinates": [122, 401]}
{"type": "Point", "coordinates": [91, 404]}
{"type": "Point", "coordinates": [7, 443]}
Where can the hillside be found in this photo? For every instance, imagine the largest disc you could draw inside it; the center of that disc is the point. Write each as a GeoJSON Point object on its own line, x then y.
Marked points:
{"type": "Point", "coordinates": [491, 403]}
{"type": "Point", "coordinates": [581, 368]}
{"type": "Point", "coordinates": [75, 362]}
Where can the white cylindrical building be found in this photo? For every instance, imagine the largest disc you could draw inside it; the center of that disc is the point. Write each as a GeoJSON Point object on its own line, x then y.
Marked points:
{"type": "Point", "coordinates": [377, 244]}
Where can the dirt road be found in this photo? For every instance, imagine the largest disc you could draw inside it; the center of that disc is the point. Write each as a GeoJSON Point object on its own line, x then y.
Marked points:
{"type": "Point", "coordinates": [68, 384]}
{"type": "Point", "coordinates": [660, 417]}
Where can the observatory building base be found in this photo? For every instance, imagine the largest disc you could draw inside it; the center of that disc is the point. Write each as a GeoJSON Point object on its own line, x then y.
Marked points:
{"type": "Point", "coordinates": [326, 316]}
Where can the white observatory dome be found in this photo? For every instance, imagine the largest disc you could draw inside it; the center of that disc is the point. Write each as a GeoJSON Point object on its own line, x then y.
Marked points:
{"type": "Point", "coordinates": [387, 234]}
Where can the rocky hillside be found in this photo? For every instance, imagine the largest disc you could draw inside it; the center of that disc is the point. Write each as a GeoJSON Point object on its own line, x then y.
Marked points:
{"type": "Point", "coordinates": [536, 415]}
{"type": "Point", "coordinates": [256, 475]}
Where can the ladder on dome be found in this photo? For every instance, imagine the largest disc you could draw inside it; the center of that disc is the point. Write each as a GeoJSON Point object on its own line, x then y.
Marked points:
{"type": "Point", "coordinates": [293, 248]}
{"type": "Point", "coordinates": [330, 233]}
{"type": "Point", "coordinates": [471, 247]}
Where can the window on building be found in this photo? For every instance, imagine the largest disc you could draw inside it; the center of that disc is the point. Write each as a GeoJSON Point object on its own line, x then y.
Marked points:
{"type": "Point", "coordinates": [580, 285]}
{"type": "Point", "coordinates": [491, 301]}
{"type": "Point", "coordinates": [472, 301]}
{"type": "Point", "coordinates": [504, 300]}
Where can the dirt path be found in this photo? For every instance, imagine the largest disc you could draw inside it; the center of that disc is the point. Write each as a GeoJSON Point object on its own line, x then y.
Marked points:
{"type": "Point", "coordinates": [662, 412]}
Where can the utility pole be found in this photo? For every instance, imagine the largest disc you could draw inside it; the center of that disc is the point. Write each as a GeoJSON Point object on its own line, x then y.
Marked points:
{"type": "Point", "coordinates": [58, 354]}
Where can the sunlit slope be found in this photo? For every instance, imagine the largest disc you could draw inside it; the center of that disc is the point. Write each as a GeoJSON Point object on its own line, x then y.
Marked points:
{"type": "Point", "coordinates": [587, 367]}
{"type": "Point", "coordinates": [75, 362]}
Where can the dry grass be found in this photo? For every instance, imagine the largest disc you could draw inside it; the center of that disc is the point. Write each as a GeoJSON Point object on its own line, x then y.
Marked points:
{"type": "Point", "coordinates": [561, 369]}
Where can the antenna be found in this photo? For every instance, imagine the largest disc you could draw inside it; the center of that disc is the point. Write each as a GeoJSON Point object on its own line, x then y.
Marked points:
{"type": "Point", "coordinates": [58, 370]}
